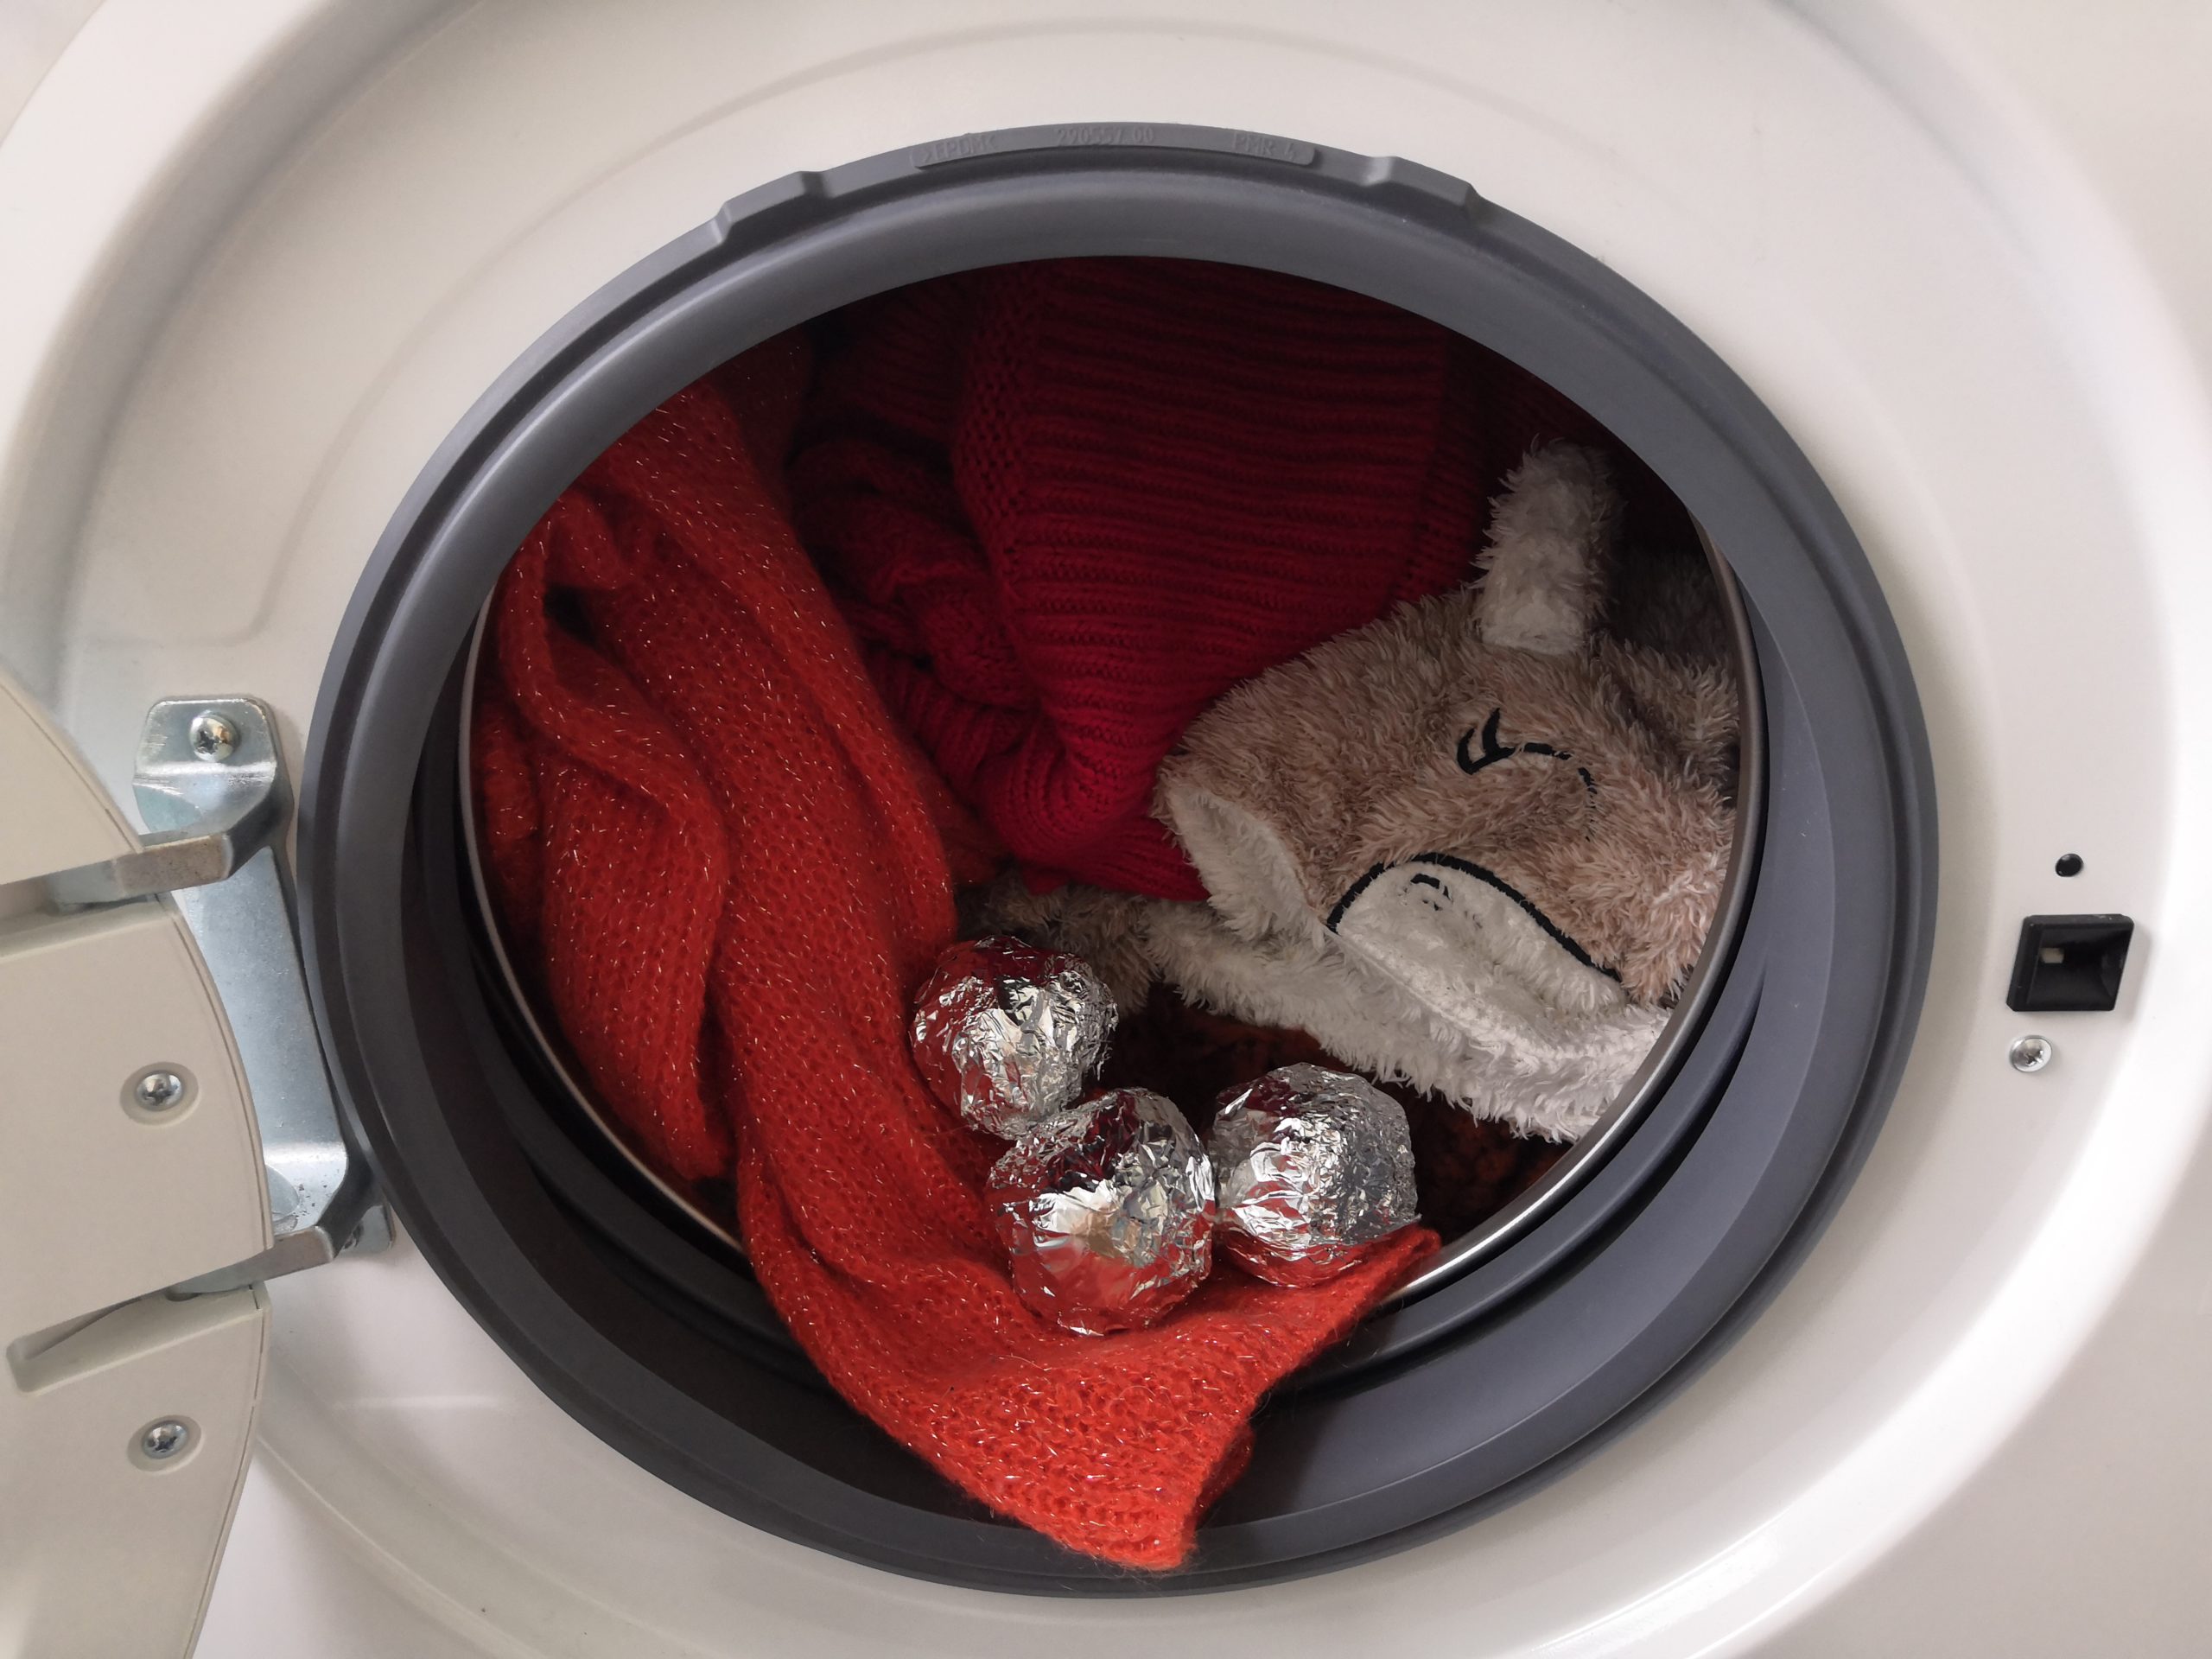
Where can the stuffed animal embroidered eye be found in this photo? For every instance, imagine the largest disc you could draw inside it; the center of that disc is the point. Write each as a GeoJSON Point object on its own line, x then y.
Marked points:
{"type": "Point", "coordinates": [1472, 761]}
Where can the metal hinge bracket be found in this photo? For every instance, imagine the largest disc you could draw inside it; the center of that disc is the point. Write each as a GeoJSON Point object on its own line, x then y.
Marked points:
{"type": "Point", "coordinates": [211, 786]}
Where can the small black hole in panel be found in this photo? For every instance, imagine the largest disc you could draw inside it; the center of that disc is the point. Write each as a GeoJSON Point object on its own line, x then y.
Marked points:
{"type": "Point", "coordinates": [2069, 864]}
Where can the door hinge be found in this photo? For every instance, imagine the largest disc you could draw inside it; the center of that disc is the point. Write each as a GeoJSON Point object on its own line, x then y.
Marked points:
{"type": "Point", "coordinates": [211, 786]}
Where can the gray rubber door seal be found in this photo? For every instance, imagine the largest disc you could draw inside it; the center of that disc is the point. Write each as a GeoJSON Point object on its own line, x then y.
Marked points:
{"type": "Point", "coordinates": [1446, 1407]}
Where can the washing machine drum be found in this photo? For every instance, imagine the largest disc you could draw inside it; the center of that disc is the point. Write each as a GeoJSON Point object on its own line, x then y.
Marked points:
{"type": "Point", "coordinates": [1655, 1238]}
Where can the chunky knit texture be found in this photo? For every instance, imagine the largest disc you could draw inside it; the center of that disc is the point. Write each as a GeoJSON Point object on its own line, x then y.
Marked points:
{"type": "Point", "coordinates": [1070, 503]}
{"type": "Point", "coordinates": [711, 842]}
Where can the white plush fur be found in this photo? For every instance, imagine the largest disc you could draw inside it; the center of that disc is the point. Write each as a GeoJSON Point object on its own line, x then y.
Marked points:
{"type": "Point", "coordinates": [1307, 981]}
{"type": "Point", "coordinates": [1242, 859]}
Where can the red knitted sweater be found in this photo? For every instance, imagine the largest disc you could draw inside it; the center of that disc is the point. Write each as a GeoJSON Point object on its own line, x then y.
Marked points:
{"type": "Point", "coordinates": [1070, 503]}
{"type": "Point", "coordinates": [711, 840]}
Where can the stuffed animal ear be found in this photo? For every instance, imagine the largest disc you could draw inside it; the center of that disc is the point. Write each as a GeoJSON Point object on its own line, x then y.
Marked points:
{"type": "Point", "coordinates": [1251, 880]}
{"type": "Point", "coordinates": [1551, 535]}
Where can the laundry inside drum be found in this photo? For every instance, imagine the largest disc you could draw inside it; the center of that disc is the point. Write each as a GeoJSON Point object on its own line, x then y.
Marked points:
{"type": "Point", "coordinates": [1340, 694]}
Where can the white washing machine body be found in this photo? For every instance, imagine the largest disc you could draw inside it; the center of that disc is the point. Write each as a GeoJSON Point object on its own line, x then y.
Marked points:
{"type": "Point", "coordinates": [260, 258]}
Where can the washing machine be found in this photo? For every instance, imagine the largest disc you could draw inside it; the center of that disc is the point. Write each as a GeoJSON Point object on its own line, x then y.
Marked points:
{"type": "Point", "coordinates": [1874, 1322]}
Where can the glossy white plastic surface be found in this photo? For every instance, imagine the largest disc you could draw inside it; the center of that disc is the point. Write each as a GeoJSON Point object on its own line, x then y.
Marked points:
{"type": "Point", "coordinates": [102, 1203]}
{"type": "Point", "coordinates": [1956, 250]}
{"type": "Point", "coordinates": [109, 1552]}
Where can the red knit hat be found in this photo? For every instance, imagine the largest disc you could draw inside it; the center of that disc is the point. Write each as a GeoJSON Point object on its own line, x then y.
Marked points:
{"type": "Point", "coordinates": [709, 838]}
{"type": "Point", "coordinates": [1070, 503]}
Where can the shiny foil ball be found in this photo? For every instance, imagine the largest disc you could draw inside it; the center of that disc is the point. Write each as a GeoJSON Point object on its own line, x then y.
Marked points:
{"type": "Point", "coordinates": [1310, 1166]}
{"type": "Point", "coordinates": [1107, 1212]}
{"type": "Point", "coordinates": [1007, 1034]}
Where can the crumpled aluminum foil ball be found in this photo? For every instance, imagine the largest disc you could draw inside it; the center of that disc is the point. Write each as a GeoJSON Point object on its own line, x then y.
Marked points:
{"type": "Point", "coordinates": [1007, 1034]}
{"type": "Point", "coordinates": [1107, 1212]}
{"type": "Point", "coordinates": [1310, 1166]}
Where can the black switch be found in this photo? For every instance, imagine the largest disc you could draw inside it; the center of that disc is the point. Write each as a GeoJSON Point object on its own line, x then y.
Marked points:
{"type": "Point", "coordinates": [2068, 963]}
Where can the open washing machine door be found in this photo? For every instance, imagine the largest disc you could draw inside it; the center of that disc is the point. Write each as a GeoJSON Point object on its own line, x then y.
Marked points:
{"type": "Point", "coordinates": [143, 1204]}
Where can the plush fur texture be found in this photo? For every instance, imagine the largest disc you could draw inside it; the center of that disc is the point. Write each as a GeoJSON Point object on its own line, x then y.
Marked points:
{"type": "Point", "coordinates": [1474, 846]}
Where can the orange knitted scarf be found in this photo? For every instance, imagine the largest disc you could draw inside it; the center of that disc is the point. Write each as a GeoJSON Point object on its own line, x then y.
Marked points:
{"type": "Point", "coordinates": [708, 837]}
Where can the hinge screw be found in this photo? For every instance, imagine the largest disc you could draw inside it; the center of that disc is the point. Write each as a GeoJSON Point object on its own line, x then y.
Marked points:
{"type": "Point", "coordinates": [213, 738]}
{"type": "Point", "coordinates": [157, 1090]}
{"type": "Point", "coordinates": [163, 1440]}
{"type": "Point", "coordinates": [2030, 1053]}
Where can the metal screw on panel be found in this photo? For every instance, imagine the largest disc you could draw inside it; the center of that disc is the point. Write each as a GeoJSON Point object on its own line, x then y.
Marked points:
{"type": "Point", "coordinates": [2030, 1053]}
{"type": "Point", "coordinates": [157, 1090]}
{"type": "Point", "coordinates": [163, 1440]}
{"type": "Point", "coordinates": [213, 738]}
